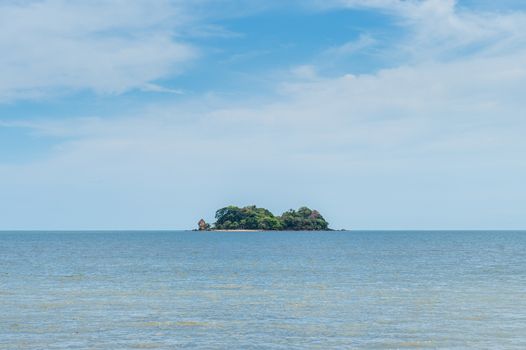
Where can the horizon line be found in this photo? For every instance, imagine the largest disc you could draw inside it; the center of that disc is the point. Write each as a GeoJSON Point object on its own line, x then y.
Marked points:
{"type": "Point", "coordinates": [330, 230]}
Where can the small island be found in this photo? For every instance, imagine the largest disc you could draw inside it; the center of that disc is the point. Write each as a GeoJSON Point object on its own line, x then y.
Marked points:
{"type": "Point", "coordinates": [252, 218]}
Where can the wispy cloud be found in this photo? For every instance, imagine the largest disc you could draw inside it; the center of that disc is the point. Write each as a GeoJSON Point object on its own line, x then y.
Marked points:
{"type": "Point", "coordinates": [352, 47]}
{"type": "Point", "coordinates": [435, 131]}
{"type": "Point", "coordinates": [105, 46]}
{"type": "Point", "coordinates": [441, 29]}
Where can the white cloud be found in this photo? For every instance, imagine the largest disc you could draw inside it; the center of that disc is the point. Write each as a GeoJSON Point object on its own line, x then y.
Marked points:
{"type": "Point", "coordinates": [307, 72]}
{"type": "Point", "coordinates": [53, 46]}
{"type": "Point", "coordinates": [429, 136]}
{"type": "Point", "coordinates": [149, 87]}
{"type": "Point", "coordinates": [364, 41]}
{"type": "Point", "coordinates": [411, 133]}
{"type": "Point", "coordinates": [441, 29]}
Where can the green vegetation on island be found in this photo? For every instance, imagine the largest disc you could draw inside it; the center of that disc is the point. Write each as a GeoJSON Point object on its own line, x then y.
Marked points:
{"type": "Point", "coordinates": [254, 218]}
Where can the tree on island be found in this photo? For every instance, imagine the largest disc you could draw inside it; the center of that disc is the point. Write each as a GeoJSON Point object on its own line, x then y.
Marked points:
{"type": "Point", "coordinates": [304, 219]}
{"type": "Point", "coordinates": [254, 218]}
{"type": "Point", "coordinates": [247, 218]}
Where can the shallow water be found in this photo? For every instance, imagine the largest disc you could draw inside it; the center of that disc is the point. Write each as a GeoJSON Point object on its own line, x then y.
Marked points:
{"type": "Point", "coordinates": [262, 290]}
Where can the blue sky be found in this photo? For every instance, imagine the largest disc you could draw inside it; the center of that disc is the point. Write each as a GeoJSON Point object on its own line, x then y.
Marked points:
{"type": "Point", "coordinates": [382, 114]}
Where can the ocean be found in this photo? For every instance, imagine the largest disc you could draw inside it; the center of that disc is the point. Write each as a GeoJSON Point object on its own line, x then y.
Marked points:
{"type": "Point", "coordinates": [263, 290]}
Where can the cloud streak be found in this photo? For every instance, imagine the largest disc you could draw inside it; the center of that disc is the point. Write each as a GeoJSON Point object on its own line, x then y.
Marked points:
{"type": "Point", "coordinates": [442, 30]}
{"type": "Point", "coordinates": [430, 135]}
{"type": "Point", "coordinates": [108, 47]}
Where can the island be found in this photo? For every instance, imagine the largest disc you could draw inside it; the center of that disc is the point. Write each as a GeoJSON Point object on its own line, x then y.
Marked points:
{"type": "Point", "coordinates": [252, 218]}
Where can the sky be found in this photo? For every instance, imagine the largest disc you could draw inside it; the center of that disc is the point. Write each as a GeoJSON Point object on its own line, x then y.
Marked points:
{"type": "Point", "coordinates": [381, 114]}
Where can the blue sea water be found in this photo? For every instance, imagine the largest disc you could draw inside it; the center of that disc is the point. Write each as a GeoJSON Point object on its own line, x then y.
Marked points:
{"type": "Point", "coordinates": [263, 290]}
